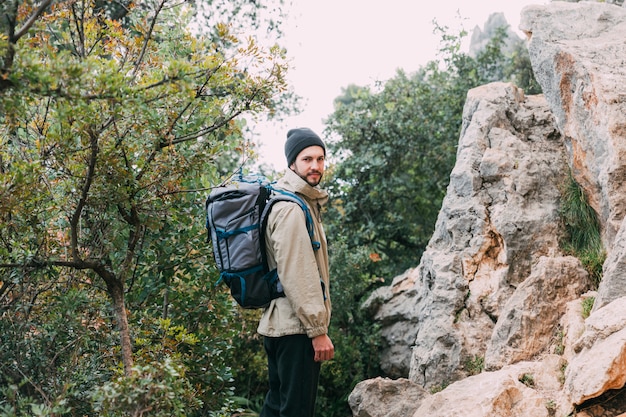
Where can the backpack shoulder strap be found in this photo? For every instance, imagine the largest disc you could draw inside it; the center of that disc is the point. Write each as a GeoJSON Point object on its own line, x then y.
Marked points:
{"type": "Point", "coordinates": [283, 195]}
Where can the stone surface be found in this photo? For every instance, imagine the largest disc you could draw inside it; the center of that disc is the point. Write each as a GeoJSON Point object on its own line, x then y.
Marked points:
{"type": "Point", "coordinates": [572, 324]}
{"type": "Point", "coordinates": [613, 284]}
{"type": "Point", "coordinates": [500, 215]}
{"type": "Point", "coordinates": [493, 284]}
{"type": "Point", "coordinates": [481, 37]}
{"type": "Point", "coordinates": [530, 318]}
{"type": "Point", "coordinates": [393, 307]}
{"type": "Point", "coordinates": [579, 58]}
{"type": "Point", "coordinates": [521, 390]}
{"type": "Point", "coordinates": [600, 362]}
{"type": "Point", "coordinates": [383, 397]}
{"type": "Point", "coordinates": [578, 55]}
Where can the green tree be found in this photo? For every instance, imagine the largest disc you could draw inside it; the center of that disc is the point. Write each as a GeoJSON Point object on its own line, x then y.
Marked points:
{"type": "Point", "coordinates": [398, 151]}
{"type": "Point", "coordinates": [111, 119]}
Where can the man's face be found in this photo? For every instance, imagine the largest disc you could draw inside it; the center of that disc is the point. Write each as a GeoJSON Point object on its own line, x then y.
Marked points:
{"type": "Point", "coordinates": [309, 165]}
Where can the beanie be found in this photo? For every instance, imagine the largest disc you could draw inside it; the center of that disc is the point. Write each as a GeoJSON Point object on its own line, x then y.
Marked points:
{"type": "Point", "coordinates": [298, 139]}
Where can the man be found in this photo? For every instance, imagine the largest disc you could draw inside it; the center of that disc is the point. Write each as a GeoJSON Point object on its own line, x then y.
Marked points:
{"type": "Point", "coordinates": [296, 326]}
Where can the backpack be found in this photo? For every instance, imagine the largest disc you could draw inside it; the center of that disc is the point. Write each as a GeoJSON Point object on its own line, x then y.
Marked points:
{"type": "Point", "coordinates": [236, 217]}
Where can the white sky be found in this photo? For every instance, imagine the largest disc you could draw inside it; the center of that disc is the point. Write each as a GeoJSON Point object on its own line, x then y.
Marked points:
{"type": "Point", "coordinates": [334, 43]}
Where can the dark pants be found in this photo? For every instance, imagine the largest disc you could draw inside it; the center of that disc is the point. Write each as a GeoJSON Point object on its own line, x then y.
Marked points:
{"type": "Point", "coordinates": [293, 377]}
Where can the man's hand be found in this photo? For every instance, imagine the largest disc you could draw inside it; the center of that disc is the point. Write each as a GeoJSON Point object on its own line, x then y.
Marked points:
{"type": "Point", "coordinates": [323, 347]}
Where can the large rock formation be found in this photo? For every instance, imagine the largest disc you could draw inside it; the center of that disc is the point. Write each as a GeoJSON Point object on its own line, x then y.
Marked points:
{"type": "Point", "coordinates": [499, 216]}
{"type": "Point", "coordinates": [579, 58]}
{"type": "Point", "coordinates": [482, 37]}
{"type": "Point", "coordinates": [493, 291]}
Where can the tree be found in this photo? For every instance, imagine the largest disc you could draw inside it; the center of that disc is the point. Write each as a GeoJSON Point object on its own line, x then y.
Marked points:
{"type": "Point", "coordinates": [398, 151]}
{"type": "Point", "coordinates": [105, 126]}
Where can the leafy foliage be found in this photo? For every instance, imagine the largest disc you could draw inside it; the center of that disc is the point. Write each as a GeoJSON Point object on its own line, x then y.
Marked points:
{"type": "Point", "coordinates": [475, 365]}
{"type": "Point", "coordinates": [53, 348]}
{"type": "Point", "coordinates": [113, 116]}
{"type": "Point", "coordinates": [587, 305]}
{"type": "Point", "coordinates": [159, 387]}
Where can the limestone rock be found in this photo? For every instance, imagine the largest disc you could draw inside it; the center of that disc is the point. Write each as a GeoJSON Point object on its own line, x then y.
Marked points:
{"type": "Point", "coordinates": [482, 37]}
{"type": "Point", "coordinates": [613, 284]}
{"type": "Point", "coordinates": [499, 216]}
{"type": "Point", "coordinates": [493, 283]}
{"type": "Point", "coordinates": [530, 319]}
{"type": "Point", "coordinates": [382, 397]}
{"type": "Point", "coordinates": [578, 56]}
{"type": "Point", "coordinates": [572, 324]}
{"type": "Point", "coordinates": [600, 364]}
{"type": "Point", "coordinates": [521, 390]}
{"type": "Point", "coordinates": [394, 308]}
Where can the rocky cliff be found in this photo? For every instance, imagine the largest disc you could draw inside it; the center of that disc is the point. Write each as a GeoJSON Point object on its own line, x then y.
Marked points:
{"type": "Point", "coordinates": [490, 322]}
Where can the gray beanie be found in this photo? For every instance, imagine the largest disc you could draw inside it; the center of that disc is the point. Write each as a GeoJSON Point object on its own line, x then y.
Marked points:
{"type": "Point", "coordinates": [298, 139]}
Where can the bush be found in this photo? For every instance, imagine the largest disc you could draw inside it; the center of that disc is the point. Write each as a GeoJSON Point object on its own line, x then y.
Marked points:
{"type": "Point", "coordinates": [159, 388]}
{"type": "Point", "coordinates": [588, 306]}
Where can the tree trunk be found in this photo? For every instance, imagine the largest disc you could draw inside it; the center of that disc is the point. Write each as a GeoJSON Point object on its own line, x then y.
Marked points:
{"type": "Point", "coordinates": [116, 291]}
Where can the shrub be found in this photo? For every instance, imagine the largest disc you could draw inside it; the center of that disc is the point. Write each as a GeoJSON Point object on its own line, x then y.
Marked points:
{"type": "Point", "coordinates": [587, 306]}
{"type": "Point", "coordinates": [159, 388]}
{"type": "Point", "coordinates": [475, 365]}
{"type": "Point", "coordinates": [528, 380]}
{"type": "Point", "coordinates": [583, 238]}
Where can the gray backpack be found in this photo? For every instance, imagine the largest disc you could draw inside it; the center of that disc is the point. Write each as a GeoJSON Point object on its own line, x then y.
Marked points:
{"type": "Point", "coordinates": [236, 216]}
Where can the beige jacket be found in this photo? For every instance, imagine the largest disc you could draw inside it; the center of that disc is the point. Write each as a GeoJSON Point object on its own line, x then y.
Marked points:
{"type": "Point", "coordinates": [306, 308]}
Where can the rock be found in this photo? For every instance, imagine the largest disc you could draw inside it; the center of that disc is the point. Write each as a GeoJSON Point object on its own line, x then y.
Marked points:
{"type": "Point", "coordinates": [521, 390]}
{"type": "Point", "coordinates": [393, 307]}
{"type": "Point", "coordinates": [382, 397]}
{"type": "Point", "coordinates": [530, 318]}
{"type": "Point", "coordinates": [613, 284]}
{"type": "Point", "coordinates": [482, 37]}
{"type": "Point", "coordinates": [600, 362]}
{"type": "Point", "coordinates": [493, 284]}
{"type": "Point", "coordinates": [573, 326]}
{"type": "Point", "coordinates": [578, 56]}
{"type": "Point", "coordinates": [499, 216]}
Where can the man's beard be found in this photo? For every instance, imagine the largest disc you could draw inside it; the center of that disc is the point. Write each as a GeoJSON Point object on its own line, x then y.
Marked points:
{"type": "Point", "coordinates": [312, 182]}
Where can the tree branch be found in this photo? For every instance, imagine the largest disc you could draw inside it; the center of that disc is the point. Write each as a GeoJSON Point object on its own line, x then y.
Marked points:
{"type": "Point", "coordinates": [144, 48]}
{"type": "Point", "coordinates": [74, 221]}
{"type": "Point", "coordinates": [31, 21]}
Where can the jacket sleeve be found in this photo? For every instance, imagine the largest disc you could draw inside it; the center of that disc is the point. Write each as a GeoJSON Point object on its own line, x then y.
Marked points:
{"type": "Point", "coordinates": [297, 267]}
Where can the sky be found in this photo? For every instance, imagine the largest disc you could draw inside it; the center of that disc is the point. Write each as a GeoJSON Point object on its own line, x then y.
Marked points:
{"type": "Point", "coordinates": [334, 43]}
